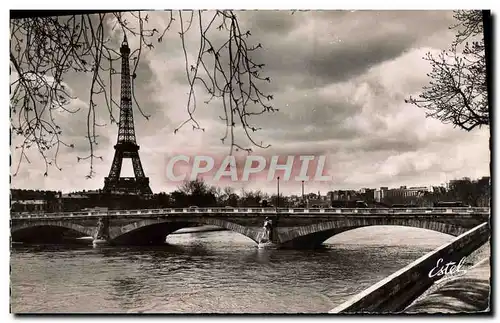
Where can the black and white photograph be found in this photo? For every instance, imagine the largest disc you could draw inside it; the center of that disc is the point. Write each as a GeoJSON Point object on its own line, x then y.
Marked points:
{"type": "Point", "coordinates": [228, 161]}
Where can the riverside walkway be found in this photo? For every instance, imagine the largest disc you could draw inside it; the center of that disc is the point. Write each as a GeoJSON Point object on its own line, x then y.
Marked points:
{"type": "Point", "coordinates": [467, 293]}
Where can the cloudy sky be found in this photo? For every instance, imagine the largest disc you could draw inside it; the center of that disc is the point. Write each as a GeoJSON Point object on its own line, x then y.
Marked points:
{"type": "Point", "coordinates": [339, 80]}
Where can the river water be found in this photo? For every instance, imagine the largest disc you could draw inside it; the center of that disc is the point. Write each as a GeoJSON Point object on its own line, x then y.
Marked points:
{"type": "Point", "coordinates": [210, 272]}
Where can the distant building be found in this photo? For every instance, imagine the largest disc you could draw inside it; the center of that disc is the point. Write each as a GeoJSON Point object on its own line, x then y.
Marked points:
{"type": "Point", "coordinates": [402, 192]}
{"type": "Point", "coordinates": [75, 202]}
{"type": "Point", "coordinates": [28, 206]}
{"type": "Point", "coordinates": [367, 194]}
{"type": "Point", "coordinates": [35, 201]}
{"type": "Point", "coordinates": [344, 195]}
{"type": "Point", "coordinates": [317, 201]}
{"type": "Point", "coordinates": [380, 193]}
{"type": "Point", "coordinates": [417, 191]}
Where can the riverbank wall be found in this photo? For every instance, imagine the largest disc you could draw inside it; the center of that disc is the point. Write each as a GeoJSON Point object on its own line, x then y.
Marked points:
{"type": "Point", "coordinates": [397, 291]}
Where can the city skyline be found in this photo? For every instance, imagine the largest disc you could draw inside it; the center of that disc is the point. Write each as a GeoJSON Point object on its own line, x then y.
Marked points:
{"type": "Point", "coordinates": [290, 193]}
{"type": "Point", "coordinates": [353, 84]}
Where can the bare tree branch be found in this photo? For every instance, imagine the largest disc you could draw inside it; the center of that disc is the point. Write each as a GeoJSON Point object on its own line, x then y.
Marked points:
{"type": "Point", "coordinates": [43, 50]}
{"type": "Point", "coordinates": [457, 92]}
{"type": "Point", "coordinates": [235, 81]}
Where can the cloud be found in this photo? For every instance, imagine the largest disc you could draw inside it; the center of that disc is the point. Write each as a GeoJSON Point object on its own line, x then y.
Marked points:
{"type": "Point", "coordinates": [339, 79]}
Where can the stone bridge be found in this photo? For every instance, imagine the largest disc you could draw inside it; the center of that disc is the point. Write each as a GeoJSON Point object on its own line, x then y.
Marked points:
{"type": "Point", "coordinates": [293, 228]}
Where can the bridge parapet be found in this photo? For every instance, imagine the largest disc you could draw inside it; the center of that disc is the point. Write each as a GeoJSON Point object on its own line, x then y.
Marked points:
{"type": "Point", "coordinates": [264, 211]}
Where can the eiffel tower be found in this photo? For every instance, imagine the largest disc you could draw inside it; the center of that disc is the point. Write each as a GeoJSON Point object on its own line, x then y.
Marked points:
{"type": "Point", "coordinates": [126, 146]}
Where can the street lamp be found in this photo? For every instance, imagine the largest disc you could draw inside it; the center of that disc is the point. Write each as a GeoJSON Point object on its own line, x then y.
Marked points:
{"type": "Point", "coordinates": [303, 201]}
{"type": "Point", "coordinates": [278, 200]}
{"type": "Point", "coordinates": [275, 223]}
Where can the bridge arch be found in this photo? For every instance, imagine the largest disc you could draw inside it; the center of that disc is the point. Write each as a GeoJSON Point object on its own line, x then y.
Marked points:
{"type": "Point", "coordinates": [47, 231]}
{"type": "Point", "coordinates": [314, 235]}
{"type": "Point", "coordinates": [155, 231]}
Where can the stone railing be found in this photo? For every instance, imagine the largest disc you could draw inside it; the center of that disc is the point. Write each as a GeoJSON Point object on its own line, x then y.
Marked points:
{"type": "Point", "coordinates": [254, 210]}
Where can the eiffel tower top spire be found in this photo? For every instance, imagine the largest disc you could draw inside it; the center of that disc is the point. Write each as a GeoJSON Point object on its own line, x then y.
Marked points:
{"type": "Point", "coordinates": [125, 42]}
{"type": "Point", "coordinates": [126, 131]}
